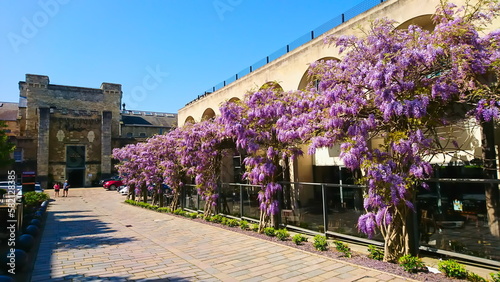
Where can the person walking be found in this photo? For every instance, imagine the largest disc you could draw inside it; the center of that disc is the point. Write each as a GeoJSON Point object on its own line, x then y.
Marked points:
{"type": "Point", "coordinates": [56, 189]}
{"type": "Point", "coordinates": [65, 188]}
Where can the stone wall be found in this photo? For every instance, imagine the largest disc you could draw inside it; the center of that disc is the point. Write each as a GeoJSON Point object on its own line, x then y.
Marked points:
{"type": "Point", "coordinates": [70, 130]}
{"type": "Point", "coordinates": [55, 117]}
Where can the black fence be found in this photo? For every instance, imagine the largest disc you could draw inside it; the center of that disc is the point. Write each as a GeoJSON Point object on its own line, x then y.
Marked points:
{"type": "Point", "coordinates": [338, 20]}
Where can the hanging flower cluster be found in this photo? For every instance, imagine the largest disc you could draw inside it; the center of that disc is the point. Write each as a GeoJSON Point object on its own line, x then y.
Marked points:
{"type": "Point", "coordinates": [254, 125]}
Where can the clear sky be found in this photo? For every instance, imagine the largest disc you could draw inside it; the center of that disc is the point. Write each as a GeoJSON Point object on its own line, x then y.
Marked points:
{"type": "Point", "coordinates": [163, 53]}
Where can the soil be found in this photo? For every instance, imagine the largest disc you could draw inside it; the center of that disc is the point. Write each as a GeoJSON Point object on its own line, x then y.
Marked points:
{"type": "Point", "coordinates": [356, 258]}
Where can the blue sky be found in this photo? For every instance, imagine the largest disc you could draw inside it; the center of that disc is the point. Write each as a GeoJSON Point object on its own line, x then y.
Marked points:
{"type": "Point", "coordinates": [163, 53]}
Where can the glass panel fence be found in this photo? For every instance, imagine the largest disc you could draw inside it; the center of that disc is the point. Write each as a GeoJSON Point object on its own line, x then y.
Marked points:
{"type": "Point", "coordinates": [303, 206]}
{"type": "Point", "coordinates": [251, 202]}
{"type": "Point", "coordinates": [454, 216]}
{"type": "Point", "coordinates": [345, 206]}
{"type": "Point", "coordinates": [191, 197]}
{"type": "Point", "coordinates": [229, 200]}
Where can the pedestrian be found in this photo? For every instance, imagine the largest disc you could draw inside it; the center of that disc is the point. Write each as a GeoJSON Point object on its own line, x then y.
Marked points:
{"type": "Point", "coordinates": [65, 188]}
{"type": "Point", "coordinates": [56, 189]}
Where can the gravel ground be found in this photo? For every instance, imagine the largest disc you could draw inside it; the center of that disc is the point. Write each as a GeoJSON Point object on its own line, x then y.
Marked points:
{"type": "Point", "coordinates": [357, 258]}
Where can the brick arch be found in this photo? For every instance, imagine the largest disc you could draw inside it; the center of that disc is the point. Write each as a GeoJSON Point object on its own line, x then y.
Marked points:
{"type": "Point", "coordinates": [208, 114]}
{"type": "Point", "coordinates": [306, 79]}
{"type": "Point", "coordinates": [423, 21]}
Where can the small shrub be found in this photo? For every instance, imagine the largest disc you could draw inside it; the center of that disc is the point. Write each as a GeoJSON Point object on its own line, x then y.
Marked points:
{"type": "Point", "coordinates": [34, 198]}
{"type": "Point", "coordinates": [165, 209]}
{"type": "Point", "coordinates": [270, 231]}
{"type": "Point", "coordinates": [473, 277]}
{"type": "Point", "coordinates": [411, 263]}
{"type": "Point", "coordinates": [232, 222]}
{"type": "Point", "coordinates": [282, 234]}
{"type": "Point", "coordinates": [299, 239]}
{"type": "Point", "coordinates": [320, 243]}
{"type": "Point", "coordinates": [178, 211]}
{"type": "Point", "coordinates": [217, 218]}
{"type": "Point", "coordinates": [495, 277]}
{"type": "Point", "coordinates": [375, 252]}
{"type": "Point", "coordinates": [254, 227]}
{"type": "Point", "coordinates": [193, 215]}
{"type": "Point", "coordinates": [451, 268]}
{"type": "Point", "coordinates": [343, 248]}
{"type": "Point", "coordinates": [244, 225]}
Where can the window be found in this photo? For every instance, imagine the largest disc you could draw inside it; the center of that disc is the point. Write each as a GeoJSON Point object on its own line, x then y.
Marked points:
{"type": "Point", "coordinates": [138, 113]}
{"type": "Point", "coordinates": [148, 113]}
{"type": "Point", "coordinates": [130, 135]}
{"type": "Point", "coordinates": [142, 134]}
{"type": "Point", "coordinates": [18, 155]}
{"type": "Point", "coordinates": [160, 115]}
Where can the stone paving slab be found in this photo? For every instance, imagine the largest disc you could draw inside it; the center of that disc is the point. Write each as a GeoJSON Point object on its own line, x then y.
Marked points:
{"type": "Point", "coordinates": [93, 236]}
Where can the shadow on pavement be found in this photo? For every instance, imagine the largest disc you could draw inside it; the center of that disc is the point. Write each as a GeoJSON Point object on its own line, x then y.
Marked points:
{"type": "Point", "coordinates": [64, 230]}
{"type": "Point", "coordinates": [78, 277]}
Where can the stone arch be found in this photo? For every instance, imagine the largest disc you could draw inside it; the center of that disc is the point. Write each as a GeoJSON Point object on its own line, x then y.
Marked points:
{"type": "Point", "coordinates": [234, 99]}
{"type": "Point", "coordinates": [273, 85]}
{"type": "Point", "coordinates": [423, 21]}
{"type": "Point", "coordinates": [306, 79]}
{"type": "Point", "coordinates": [189, 119]}
{"type": "Point", "coordinates": [208, 114]}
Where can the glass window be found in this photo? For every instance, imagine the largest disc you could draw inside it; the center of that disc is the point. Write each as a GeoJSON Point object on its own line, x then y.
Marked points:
{"type": "Point", "coordinates": [18, 155]}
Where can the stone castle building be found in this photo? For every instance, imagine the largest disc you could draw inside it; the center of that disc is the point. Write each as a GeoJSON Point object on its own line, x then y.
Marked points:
{"type": "Point", "coordinates": [68, 132]}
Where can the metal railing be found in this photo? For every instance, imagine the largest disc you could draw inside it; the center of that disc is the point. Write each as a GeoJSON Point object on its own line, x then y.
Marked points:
{"type": "Point", "coordinates": [336, 21]}
{"type": "Point", "coordinates": [333, 209]}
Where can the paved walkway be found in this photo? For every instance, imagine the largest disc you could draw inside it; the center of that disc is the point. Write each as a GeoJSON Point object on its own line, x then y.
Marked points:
{"type": "Point", "coordinates": [93, 236]}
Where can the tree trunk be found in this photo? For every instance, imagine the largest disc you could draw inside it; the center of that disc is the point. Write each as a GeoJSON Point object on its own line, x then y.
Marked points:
{"type": "Point", "coordinates": [175, 199]}
{"type": "Point", "coordinates": [263, 221]}
{"type": "Point", "coordinates": [208, 209]}
{"type": "Point", "coordinates": [144, 191]}
{"type": "Point", "coordinates": [490, 171]}
{"type": "Point", "coordinates": [131, 192]}
{"type": "Point", "coordinates": [161, 200]}
{"type": "Point", "coordinates": [396, 235]}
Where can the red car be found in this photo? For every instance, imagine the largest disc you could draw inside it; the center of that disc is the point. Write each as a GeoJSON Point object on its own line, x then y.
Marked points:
{"type": "Point", "coordinates": [112, 184]}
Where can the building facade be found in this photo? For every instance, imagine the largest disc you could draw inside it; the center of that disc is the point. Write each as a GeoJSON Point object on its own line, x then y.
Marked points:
{"type": "Point", "coordinates": [67, 132]}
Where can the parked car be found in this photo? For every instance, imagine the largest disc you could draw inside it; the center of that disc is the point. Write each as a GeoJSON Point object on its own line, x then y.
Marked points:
{"type": "Point", "coordinates": [112, 184]}
{"type": "Point", "coordinates": [123, 190]}
{"type": "Point", "coordinates": [114, 177]}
